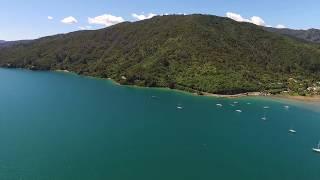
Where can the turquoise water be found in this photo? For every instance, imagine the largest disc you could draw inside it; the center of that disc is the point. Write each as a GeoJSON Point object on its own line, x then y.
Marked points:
{"type": "Point", "coordinates": [58, 126]}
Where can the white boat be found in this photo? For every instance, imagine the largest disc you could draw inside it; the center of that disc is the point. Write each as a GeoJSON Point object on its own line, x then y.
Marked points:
{"type": "Point", "coordinates": [179, 107]}
{"type": "Point", "coordinates": [235, 102]}
{"type": "Point", "coordinates": [239, 111]}
{"type": "Point", "coordinates": [286, 107]}
{"type": "Point", "coordinates": [248, 103]}
{"type": "Point", "coordinates": [317, 149]}
{"type": "Point", "coordinates": [219, 105]}
{"type": "Point", "coordinates": [292, 131]}
{"type": "Point", "coordinates": [266, 107]}
{"type": "Point", "coordinates": [264, 118]}
{"type": "Point", "coordinates": [232, 105]}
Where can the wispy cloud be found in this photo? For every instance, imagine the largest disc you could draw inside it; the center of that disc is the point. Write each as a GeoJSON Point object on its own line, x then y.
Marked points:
{"type": "Point", "coordinates": [280, 26]}
{"type": "Point", "coordinates": [106, 20]}
{"type": "Point", "coordinates": [254, 20]}
{"type": "Point", "coordinates": [85, 27]}
{"type": "Point", "coordinates": [69, 20]}
{"type": "Point", "coordinates": [143, 16]}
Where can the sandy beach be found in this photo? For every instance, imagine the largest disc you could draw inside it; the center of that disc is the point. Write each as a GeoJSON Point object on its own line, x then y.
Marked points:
{"type": "Point", "coordinates": [234, 95]}
{"type": "Point", "coordinates": [311, 99]}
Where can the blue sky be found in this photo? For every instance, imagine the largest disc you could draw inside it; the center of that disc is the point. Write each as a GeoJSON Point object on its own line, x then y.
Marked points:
{"type": "Point", "coordinates": [28, 19]}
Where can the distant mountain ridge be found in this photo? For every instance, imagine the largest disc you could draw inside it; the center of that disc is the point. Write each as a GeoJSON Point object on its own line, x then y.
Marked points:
{"type": "Point", "coordinates": [310, 35]}
{"type": "Point", "coordinates": [197, 53]}
{"type": "Point", "coordinates": [12, 43]}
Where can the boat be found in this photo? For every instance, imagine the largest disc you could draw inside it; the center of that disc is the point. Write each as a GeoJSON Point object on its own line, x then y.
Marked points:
{"type": "Point", "coordinates": [264, 117]}
{"type": "Point", "coordinates": [220, 105]}
{"type": "Point", "coordinates": [266, 107]}
{"type": "Point", "coordinates": [286, 107]}
{"type": "Point", "coordinates": [179, 107]}
{"type": "Point", "coordinates": [235, 102]}
{"type": "Point", "coordinates": [317, 149]}
{"type": "Point", "coordinates": [238, 111]}
{"type": "Point", "coordinates": [292, 131]}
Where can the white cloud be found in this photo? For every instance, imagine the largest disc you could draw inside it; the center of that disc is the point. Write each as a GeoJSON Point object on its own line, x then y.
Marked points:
{"type": "Point", "coordinates": [50, 18]}
{"type": "Point", "coordinates": [167, 14]}
{"type": "Point", "coordinates": [69, 20]}
{"type": "Point", "coordinates": [85, 27]}
{"type": "Point", "coordinates": [280, 26]}
{"type": "Point", "coordinates": [257, 21]}
{"type": "Point", "coordinates": [105, 19]}
{"type": "Point", "coordinates": [142, 16]}
{"type": "Point", "coordinates": [254, 19]}
{"type": "Point", "coordinates": [236, 17]}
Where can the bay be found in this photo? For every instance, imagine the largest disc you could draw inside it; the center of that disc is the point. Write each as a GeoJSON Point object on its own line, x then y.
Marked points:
{"type": "Point", "coordinates": [68, 127]}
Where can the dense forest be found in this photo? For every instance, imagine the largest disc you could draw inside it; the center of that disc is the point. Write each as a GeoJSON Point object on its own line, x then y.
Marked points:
{"type": "Point", "coordinates": [12, 43]}
{"type": "Point", "coordinates": [310, 35]}
{"type": "Point", "coordinates": [197, 53]}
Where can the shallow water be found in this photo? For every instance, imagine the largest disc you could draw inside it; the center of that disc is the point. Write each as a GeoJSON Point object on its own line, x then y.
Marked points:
{"type": "Point", "coordinates": [67, 127]}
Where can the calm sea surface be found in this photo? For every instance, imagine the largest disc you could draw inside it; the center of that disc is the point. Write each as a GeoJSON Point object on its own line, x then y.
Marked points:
{"type": "Point", "coordinates": [58, 126]}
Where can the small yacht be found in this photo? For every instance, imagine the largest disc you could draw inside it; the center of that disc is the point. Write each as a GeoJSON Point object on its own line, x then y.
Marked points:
{"type": "Point", "coordinates": [264, 118]}
{"type": "Point", "coordinates": [179, 107]}
{"type": "Point", "coordinates": [286, 107]}
{"type": "Point", "coordinates": [292, 131]}
{"type": "Point", "coordinates": [266, 107]}
{"type": "Point", "coordinates": [317, 149]}
{"type": "Point", "coordinates": [235, 102]}
{"type": "Point", "coordinates": [219, 105]}
{"type": "Point", "coordinates": [239, 111]}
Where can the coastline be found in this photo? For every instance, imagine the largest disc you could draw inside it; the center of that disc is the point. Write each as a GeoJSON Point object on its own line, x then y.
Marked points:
{"type": "Point", "coordinates": [64, 71]}
{"type": "Point", "coordinates": [234, 95]}
{"type": "Point", "coordinates": [207, 94]}
{"type": "Point", "coordinates": [306, 99]}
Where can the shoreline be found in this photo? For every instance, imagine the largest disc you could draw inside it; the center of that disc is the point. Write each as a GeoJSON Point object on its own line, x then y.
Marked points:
{"type": "Point", "coordinates": [234, 95]}
{"type": "Point", "coordinates": [307, 99]}
{"type": "Point", "coordinates": [205, 94]}
{"type": "Point", "coordinates": [64, 71]}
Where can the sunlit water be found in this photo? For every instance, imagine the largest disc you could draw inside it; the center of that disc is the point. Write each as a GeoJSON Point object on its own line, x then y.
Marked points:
{"type": "Point", "coordinates": [58, 126]}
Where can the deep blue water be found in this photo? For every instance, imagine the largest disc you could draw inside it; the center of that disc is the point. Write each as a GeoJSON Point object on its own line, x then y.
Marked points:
{"type": "Point", "coordinates": [58, 126]}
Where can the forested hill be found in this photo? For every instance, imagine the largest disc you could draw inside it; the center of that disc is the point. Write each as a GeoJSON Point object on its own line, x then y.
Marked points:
{"type": "Point", "coordinates": [194, 53]}
{"type": "Point", "coordinates": [311, 35]}
{"type": "Point", "coordinates": [12, 43]}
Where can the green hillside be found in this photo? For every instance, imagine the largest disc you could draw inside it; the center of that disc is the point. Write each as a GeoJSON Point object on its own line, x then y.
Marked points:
{"type": "Point", "coordinates": [310, 35]}
{"type": "Point", "coordinates": [198, 53]}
